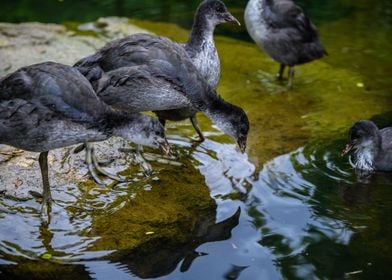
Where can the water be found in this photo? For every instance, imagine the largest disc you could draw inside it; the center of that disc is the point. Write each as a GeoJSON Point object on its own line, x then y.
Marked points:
{"type": "Point", "coordinates": [304, 214]}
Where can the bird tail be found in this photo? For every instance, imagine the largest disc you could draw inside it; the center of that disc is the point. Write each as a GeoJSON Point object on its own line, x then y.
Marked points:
{"type": "Point", "coordinates": [312, 51]}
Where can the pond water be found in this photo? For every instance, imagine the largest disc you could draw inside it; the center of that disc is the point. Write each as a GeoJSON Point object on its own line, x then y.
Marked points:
{"type": "Point", "coordinates": [291, 208]}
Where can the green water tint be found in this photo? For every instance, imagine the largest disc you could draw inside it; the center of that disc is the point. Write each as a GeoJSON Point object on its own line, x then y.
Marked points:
{"type": "Point", "coordinates": [305, 215]}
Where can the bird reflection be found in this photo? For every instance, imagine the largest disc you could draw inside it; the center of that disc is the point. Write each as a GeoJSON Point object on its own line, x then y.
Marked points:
{"type": "Point", "coordinates": [361, 191]}
{"type": "Point", "coordinates": [159, 257]}
{"type": "Point", "coordinates": [234, 272]}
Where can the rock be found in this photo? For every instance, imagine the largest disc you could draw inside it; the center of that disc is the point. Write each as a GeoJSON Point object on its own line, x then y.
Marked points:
{"type": "Point", "coordinates": [29, 43]}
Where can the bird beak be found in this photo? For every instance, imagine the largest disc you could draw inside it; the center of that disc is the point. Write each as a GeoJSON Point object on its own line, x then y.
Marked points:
{"type": "Point", "coordinates": [165, 148]}
{"type": "Point", "coordinates": [347, 149]}
{"type": "Point", "coordinates": [230, 18]}
{"type": "Point", "coordinates": [242, 145]}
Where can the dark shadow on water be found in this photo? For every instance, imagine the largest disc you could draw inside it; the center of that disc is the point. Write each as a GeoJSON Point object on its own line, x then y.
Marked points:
{"type": "Point", "coordinates": [160, 257]}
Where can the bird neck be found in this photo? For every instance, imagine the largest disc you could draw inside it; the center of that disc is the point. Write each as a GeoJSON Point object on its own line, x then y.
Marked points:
{"type": "Point", "coordinates": [366, 155]}
{"type": "Point", "coordinates": [220, 112]}
{"type": "Point", "coordinates": [115, 123]}
{"type": "Point", "coordinates": [202, 31]}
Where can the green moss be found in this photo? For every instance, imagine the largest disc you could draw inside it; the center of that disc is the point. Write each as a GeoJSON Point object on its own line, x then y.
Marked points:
{"type": "Point", "coordinates": [170, 209]}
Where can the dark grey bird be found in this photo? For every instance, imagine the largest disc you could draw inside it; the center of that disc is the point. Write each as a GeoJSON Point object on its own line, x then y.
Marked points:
{"type": "Point", "coordinates": [49, 105]}
{"type": "Point", "coordinates": [200, 48]}
{"type": "Point", "coordinates": [373, 146]}
{"type": "Point", "coordinates": [165, 78]}
{"type": "Point", "coordinates": [284, 32]}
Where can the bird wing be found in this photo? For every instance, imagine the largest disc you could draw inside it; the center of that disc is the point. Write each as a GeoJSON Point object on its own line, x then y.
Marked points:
{"type": "Point", "coordinates": [19, 117]}
{"type": "Point", "coordinates": [137, 49]}
{"type": "Point", "coordinates": [386, 135]}
{"type": "Point", "coordinates": [59, 88]}
{"type": "Point", "coordinates": [141, 88]}
{"type": "Point", "coordinates": [165, 61]}
{"type": "Point", "coordinates": [287, 15]}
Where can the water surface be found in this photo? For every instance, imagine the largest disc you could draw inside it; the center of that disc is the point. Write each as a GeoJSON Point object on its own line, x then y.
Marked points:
{"type": "Point", "coordinates": [292, 208]}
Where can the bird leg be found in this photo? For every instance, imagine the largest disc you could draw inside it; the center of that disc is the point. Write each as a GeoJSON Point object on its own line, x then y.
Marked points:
{"type": "Point", "coordinates": [139, 159]}
{"type": "Point", "coordinates": [197, 128]}
{"type": "Point", "coordinates": [162, 121]}
{"type": "Point", "coordinates": [81, 147]}
{"type": "Point", "coordinates": [291, 77]}
{"type": "Point", "coordinates": [279, 76]}
{"type": "Point", "coordinates": [93, 166]}
{"type": "Point", "coordinates": [47, 197]}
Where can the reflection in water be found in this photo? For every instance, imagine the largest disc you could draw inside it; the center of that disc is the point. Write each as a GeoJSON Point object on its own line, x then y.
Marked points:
{"type": "Point", "coordinates": [304, 203]}
{"type": "Point", "coordinates": [300, 204]}
{"type": "Point", "coordinates": [160, 257]}
{"type": "Point", "coordinates": [227, 170]}
{"type": "Point", "coordinates": [287, 210]}
{"type": "Point", "coordinates": [88, 226]}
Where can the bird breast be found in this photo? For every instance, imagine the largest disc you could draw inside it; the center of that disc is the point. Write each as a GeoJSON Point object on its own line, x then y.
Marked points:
{"type": "Point", "coordinates": [207, 62]}
{"type": "Point", "coordinates": [255, 23]}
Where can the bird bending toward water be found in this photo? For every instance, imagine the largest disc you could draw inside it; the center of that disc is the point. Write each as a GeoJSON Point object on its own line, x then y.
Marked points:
{"type": "Point", "coordinates": [49, 105]}
{"type": "Point", "coordinates": [154, 73]}
{"type": "Point", "coordinates": [373, 147]}
{"type": "Point", "coordinates": [284, 32]}
{"type": "Point", "coordinates": [200, 48]}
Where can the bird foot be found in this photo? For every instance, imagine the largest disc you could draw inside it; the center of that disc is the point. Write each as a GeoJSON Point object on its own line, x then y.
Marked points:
{"type": "Point", "coordinates": [94, 168]}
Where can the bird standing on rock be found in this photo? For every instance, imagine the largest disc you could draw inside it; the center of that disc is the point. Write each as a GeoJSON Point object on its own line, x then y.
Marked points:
{"type": "Point", "coordinates": [165, 78]}
{"type": "Point", "coordinates": [284, 32]}
{"type": "Point", "coordinates": [49, 105]}
{"type": "Point", "coordinates": [200, 48]}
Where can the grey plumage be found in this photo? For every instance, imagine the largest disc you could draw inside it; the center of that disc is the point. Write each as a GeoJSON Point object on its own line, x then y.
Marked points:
{"type": "Point", "coordinates": [373, 147]}
{"type": "Point", "coordinates": [50, 105]}
{"type": "Point", "coordinates": [157, 67]}
{"type": "Point", "coordinates": [284, 32]}
{"type": "Point", "coordinates": [201, 49]}
{"type": "Point", "coordinates": [36, 101]}
{"type": "Point", "coordinates": [138, 49]}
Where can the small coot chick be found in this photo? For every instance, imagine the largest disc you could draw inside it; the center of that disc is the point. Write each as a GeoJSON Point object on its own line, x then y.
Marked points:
{"type": "Point", "coordinates": [285, 33]}
{"type": "Point", "coordinates": [157, 74]}
{"type": "Point", "coordinates": [49, 105]}
{"type": "Point", "coordinates": [200, 47]}
{"type": "Point", "coordinates": [373, 146]}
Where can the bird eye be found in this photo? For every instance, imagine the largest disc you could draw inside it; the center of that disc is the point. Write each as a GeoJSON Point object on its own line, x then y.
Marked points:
{"type": "Point", "coordinates": [219, 8]}
{"type": "Point", "coordinates": [356, 135]}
